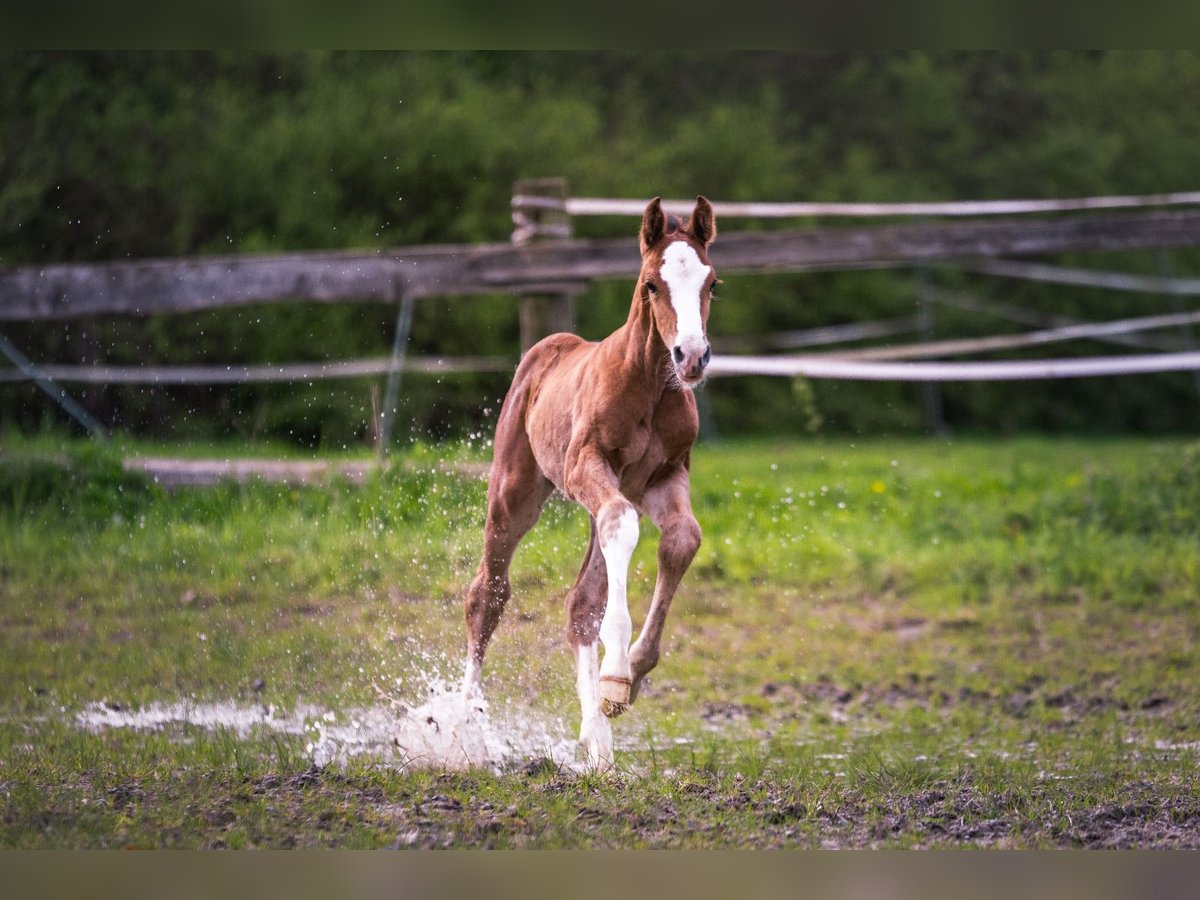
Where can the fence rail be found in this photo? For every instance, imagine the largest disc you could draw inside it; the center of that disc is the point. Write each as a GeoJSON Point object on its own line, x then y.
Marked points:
{"type": "Point", "coordinates": [596, 206]}
{"type": "Point", "coordinates": [160, 286]}
{"type": "Point", "coordinates": [238, 374]}
{"type": "Point", "coordinates": [851, 366]}
{"type": "Point", "coordinates": [1018, 370]}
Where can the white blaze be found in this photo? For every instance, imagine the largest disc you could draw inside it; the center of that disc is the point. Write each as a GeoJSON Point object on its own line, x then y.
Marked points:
{"type": "Point", "coordinates": [685, 275]}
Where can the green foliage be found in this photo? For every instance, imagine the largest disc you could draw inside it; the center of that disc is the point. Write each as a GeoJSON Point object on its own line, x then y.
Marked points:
{"type": "Point", "coordinates": [1164, 496]}
{"type": "Point", "coordinates": [113, 155]}
{"type": "Point", "coordinates": [86, 486]}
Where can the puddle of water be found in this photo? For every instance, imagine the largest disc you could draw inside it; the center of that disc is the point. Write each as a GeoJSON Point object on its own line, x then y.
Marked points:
{"type": "Point", "coordinates": [241, 720]}
{"type": "Point", "coordinates": [1178, 746]}
{"type": "Point", "coordinates": [446, 732]}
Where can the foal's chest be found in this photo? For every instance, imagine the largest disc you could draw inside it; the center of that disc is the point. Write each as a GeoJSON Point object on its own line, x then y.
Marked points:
{"type": "Point", "coordinates": [637, 446]}
{"type": "Point", "coordinates": [641, 457]}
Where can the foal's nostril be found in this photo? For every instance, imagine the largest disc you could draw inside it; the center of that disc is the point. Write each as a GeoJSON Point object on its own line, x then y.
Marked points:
{"type": "Point", "coordinates": [678, 354]}
{"type": "Point", "coordinates": [706, 357]}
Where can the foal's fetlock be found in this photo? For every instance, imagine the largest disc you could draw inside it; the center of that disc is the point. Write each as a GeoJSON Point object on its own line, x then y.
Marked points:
{"type": "Point", "coordinates": [635, 688]}
{"type": "Point", "coordinates": [614, 695]}
{"type": "Point", "coordinates": [641, 663]}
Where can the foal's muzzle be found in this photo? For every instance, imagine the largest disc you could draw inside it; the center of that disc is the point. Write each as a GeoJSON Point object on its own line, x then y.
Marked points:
{"type": "Point", "coordinates": [691, 357]}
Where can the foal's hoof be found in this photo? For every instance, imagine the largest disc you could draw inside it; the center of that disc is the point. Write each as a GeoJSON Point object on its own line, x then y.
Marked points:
{"type": "Point", "coordinates": [611, 708]}
{"type": "Point", "coordinates": [614, 695]}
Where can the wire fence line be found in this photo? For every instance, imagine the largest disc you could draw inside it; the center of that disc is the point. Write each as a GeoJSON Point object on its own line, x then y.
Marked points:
{"type": "Point", "coordinates": [1020, 315]}
{"type": "Point", "coordinates": [824, 366]}
{"type": "Point", "coordinates": [1127, 331]}
{"type": "Point", "coordinates": [964, 346]}
{"type": "Point", "coordinates": [1113, 281]}
{"type": "Point", "coordinates": [875, 364]}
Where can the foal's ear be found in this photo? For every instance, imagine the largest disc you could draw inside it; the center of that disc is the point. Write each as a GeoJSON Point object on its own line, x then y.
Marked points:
{"type": "Point", "coordinates": [654, 224]}
{"type": "Point", "coordinates": [703, 223]}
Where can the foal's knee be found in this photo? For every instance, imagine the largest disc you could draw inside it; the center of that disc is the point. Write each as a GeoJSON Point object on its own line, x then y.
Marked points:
{"type": "Point", "coordinates": [680, 541]}
{"type": "Point", "coordinates": [486, 599]}
{"type": "Point", "coordinates": [617, 526]}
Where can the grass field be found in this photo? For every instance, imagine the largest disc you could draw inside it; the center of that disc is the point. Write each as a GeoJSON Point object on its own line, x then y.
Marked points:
{"type": "Point", "coordinates": [885, 643]}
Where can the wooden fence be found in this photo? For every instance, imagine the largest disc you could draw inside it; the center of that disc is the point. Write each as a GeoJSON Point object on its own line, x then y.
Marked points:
{"type": "Point", "coordinates": [546, 266]}
{"type": "Point", "coordinates": [151, 287]}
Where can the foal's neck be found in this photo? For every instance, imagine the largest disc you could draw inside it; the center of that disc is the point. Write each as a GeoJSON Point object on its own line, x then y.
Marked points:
{"type": "Point", "coordinates": [644, 357]}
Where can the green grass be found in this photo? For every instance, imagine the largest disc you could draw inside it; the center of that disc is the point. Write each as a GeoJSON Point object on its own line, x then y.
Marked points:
{"type": "Point", "coordinates": [883, 643]}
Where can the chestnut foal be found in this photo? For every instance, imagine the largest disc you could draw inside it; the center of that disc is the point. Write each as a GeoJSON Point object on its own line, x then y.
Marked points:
{"type": "Point", "coordinates": [610, 425]}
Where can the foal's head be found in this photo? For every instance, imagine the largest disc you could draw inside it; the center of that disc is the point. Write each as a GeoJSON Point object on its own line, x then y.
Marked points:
{"type": "Point", "coordinates": [677, 281]}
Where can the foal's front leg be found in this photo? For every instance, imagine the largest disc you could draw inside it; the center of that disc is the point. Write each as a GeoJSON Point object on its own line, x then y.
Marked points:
{"type": "Point", "coordinates": [617, 526]}
{"type": "Point", "coordinates": [592, 483]}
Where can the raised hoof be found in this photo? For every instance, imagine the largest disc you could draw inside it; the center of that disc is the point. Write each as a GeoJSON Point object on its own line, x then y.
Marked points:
{"type": "Point", "coordinates": [614, 695]}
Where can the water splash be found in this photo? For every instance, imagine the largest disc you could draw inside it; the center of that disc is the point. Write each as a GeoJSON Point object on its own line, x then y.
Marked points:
{"type": "Point", "coordinates": [453, 731]}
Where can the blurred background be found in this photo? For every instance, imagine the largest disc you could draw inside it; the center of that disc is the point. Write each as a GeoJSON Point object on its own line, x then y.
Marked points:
{"type": "Point", "coordinates": [110, 156]}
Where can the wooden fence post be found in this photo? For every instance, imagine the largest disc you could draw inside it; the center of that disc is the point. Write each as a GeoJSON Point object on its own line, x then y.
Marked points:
{"type": "Point", "coordinates": [1187, 335]}
{"type": "Point", "coordinates": [540, 214]}
{"type": "Point", "coordinates": [931, 391]}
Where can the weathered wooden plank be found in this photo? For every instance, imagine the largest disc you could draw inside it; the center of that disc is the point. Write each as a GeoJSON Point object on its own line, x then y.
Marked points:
{"type": "Point", "coordinates": [242, 374]}
{"type": "Point", "coordinates": [178, 285]}
{"type": "Point", "coordinates": [833, 248]}
{"type": "Point", "coordinates": [177, 473]}
{"type": "Point", "coordinates": [596, 206]}
{"type": "Point", "coordinates": [143, 287]}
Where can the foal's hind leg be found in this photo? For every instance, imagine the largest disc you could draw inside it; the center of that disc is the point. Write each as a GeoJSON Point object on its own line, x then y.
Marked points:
{"type": "Point", "coordinates": [516, 492]}
{"type": "Point", "coordinates": [585, 611]}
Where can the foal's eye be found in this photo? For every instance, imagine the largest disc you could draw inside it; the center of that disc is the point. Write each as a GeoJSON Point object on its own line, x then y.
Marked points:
{"type": "Point", "coordinates": [650, 286]}
{"type": "Point", "coordinates": [712, 288]}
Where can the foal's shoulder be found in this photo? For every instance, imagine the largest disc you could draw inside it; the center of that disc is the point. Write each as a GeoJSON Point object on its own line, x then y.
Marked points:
{"type": "Point", "coordinates": [549, 350]}
{"type": "Point", "coordinates": [558, 343]}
